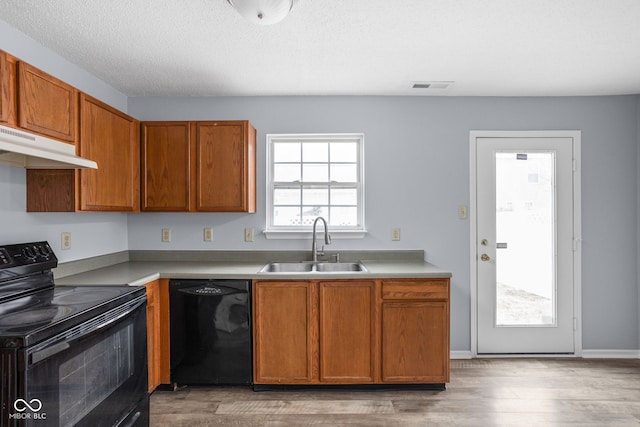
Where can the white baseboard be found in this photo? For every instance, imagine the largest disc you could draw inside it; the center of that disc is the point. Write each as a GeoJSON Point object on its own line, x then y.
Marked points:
{"type": "Point", "coordinates": [611, 354]}
{"type": "Point", "coordinates": [457, 354]}
{"type": "Point", "coordinates": [586, 354]}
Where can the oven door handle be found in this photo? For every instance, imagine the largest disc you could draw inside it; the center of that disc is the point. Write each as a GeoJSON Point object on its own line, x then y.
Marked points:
{"type": "Point", "coordinates": [63, 341]}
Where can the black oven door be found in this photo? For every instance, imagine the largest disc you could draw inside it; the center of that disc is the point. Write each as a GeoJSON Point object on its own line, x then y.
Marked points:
{"type": "Point", "coordinates": [92, 375]}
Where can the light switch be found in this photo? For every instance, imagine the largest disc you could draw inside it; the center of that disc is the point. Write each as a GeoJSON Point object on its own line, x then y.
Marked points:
{"type": "Point", "coordinates": [395, 233]}
{"type": "Point", "coordinates": [463, 212]}
{"type": "Point", "coordinates": [248, 234]}
{"type": "Point", "coordinates": [166, 235]}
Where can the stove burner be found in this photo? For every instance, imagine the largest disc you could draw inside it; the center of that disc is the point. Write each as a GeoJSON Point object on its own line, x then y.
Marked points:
{"type": "Point", "coordinates": [30, 317]}
{"type": "Point", "coordinates": [83, 296]}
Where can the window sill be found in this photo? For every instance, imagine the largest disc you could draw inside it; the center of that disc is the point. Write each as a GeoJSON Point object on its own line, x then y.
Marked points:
{"type": "Point", "coordinates": [295, 234]}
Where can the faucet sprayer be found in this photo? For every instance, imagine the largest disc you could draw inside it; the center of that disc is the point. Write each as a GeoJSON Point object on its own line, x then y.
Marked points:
{"type": "Point", "coordinates": [314, 244]}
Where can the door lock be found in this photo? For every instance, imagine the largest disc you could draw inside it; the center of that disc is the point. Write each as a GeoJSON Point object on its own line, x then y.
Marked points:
{"type": "Point", "coordinates": [485, 257]}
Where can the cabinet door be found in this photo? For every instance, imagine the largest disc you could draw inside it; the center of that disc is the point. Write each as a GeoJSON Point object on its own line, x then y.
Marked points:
{"type": "Point", "coordinates": [415, 342]}
{"type": "Point", "coordinates": [46, 105]}
{"type": "Point", "coordinates": [112, 139]}
{"type": "Point", "coordinates": [7, 82]}
{"type": "Point", "coordinates": [153, 334]}
{"type": "Point", "coordinates": [285, 332]}
{"type": "Point", "coordinates": [164, 333]}
{"type": "Point", "coordinates": [165, 166]}
{"type": "Point", "coordinates": [347, 338]}
{"type": "Point", "coordinates": [224, 172]}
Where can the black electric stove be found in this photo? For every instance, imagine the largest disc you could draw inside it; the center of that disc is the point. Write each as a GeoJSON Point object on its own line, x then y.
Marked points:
{"type": "Point", "coordinates": [32, 308]}
{"type": "Point", "coordinates": [58, 340]}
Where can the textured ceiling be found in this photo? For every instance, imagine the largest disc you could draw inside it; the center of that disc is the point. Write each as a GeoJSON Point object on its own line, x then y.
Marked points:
{"type": "Point", "coordinates": [345, 47]}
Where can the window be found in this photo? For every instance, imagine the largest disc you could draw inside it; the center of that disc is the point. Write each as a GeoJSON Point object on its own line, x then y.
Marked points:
{"type": "Point", "coordinates": [312, 175]}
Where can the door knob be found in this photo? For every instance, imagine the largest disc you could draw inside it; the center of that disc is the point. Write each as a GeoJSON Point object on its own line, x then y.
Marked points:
{"type": "Point", "coordinates": [485, 257]}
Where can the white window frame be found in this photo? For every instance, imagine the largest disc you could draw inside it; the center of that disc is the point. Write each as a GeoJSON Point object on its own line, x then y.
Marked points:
{"type": "Point", "coordinates": [304, 231]}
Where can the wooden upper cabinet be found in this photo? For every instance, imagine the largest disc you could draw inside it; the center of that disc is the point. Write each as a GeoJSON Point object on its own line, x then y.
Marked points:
{"type": "Point", "coordinates": [7, 89]}
{"type": "Point", "coordinates": [224, 173]}
{"type": "Point", "coordinates": [46, 105]}
{"type": "Point", "coordinates": [112, 139]}
{"type": "Point", "coordinates": [166, 154]}
{"type": "Point", "coordinates": [207, 166]}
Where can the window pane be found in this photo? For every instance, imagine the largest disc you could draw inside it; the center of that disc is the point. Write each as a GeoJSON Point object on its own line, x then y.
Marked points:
{"type": "Point", "coordinates": [315, 152]}
{"type": "Point", "coordinates": [344, 152]}
{"type": "Point", "coordinates": [286, 196]}
{"type": "Point", "coordinates": [286, 173]}
{"type": "Point", "coordinates": [525, 222]}
{"type": "Point", "coordinates": [344, 173]}
{"type": "Point", "coordinates": [315, 196]}
{"type": "Point", "coordinates": [286, 152]}
{"type": "Point", "coordinates": [315, 173]}
{"type": "Point", "coordinates": [344, 216]}
{"type": "Point", "coordinates": [344, 196]}
{"type": "Point", "coordinates": [310, 213]}
{"type": "Point", "coordinates": [286, 216]}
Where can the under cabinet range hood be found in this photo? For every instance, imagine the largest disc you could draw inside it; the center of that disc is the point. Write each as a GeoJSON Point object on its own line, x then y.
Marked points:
{"type": "Point", "coordinates": [26, 150]}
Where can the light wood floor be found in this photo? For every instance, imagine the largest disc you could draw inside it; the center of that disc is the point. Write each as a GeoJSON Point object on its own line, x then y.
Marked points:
{"type": "Point", "coordinates": [482, 392]}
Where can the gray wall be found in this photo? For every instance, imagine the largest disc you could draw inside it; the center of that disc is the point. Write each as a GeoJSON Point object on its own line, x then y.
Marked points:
{"type": "Point", "coordinates": [417, 173]}
{"type": "Point", "coordinates": [91, 234]}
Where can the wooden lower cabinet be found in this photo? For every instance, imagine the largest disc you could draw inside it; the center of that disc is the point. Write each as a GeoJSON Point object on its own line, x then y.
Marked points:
{"type": "Point", "coordinates": [351, 331]}
{"type": "Point", "coordinates": [415, 331]}
{"type": "Point", "coordinates": [347, 332]}
{"type": "Point", "coordinates": [153, 333]}
{"type": "Point", "coordinates": [164, 346]}
{"type": "Point", "coordinates": [158, 333]}
{"type": "Point", "coordinates": [285, 333]}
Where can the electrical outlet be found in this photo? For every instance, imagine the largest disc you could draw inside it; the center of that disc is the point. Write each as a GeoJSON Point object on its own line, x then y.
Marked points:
{"type": "Point", "coordinates": [208, 234]}
{"type": "Point", "coordinates": [166, 234]}
{"type": "Point", "coordinates": [248, 234]}
{"type": "Point", "coordinates": [395, 233]}
{"type": "Point", "coordinates": [65, 242]}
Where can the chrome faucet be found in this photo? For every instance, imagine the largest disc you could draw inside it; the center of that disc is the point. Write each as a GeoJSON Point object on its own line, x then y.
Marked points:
{"type": "Point", "coordinates": [314, 243]}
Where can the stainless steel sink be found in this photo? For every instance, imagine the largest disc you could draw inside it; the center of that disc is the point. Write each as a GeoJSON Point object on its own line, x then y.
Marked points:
{"type": "Point", "coordinates": [287, 267]}
{"type": "Point", "coordinates": [338, 267]}
{"type": "Point", "coordinates": [313, 267]}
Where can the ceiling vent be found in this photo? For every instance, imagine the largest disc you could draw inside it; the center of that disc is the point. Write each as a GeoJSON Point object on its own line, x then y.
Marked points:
{"type": "Point", "coordinates": [431, 85]}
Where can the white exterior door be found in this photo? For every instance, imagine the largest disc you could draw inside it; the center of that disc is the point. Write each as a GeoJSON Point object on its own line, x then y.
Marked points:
{"type": "Point", "coordinates": [525, 244]}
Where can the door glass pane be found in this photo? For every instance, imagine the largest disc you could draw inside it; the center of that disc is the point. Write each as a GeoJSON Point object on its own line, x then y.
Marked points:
{"type": "Point", "coordinates": [525, 236]}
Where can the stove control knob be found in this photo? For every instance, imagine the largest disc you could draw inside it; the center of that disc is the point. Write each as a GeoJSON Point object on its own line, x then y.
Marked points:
{"type": "Point", "coordinates": [29, 252]}
{"type": "Point", "coordinates": [44, 250]}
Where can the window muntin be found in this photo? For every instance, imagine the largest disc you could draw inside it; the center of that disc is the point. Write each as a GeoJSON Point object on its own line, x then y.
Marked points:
{"type": "Point", "coordinates": [311, 175]}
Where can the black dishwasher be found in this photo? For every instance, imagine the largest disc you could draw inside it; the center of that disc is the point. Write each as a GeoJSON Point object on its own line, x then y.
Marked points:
{"type": "Point", "coordinates": [210, 325]}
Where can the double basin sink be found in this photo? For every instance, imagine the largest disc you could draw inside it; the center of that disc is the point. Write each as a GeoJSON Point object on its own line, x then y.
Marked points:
{"type": "Point", "coordinates": [313, 267]}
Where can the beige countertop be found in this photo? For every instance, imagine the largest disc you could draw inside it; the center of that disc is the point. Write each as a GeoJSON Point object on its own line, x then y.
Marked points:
{"type": "Point", "coordinates": [136, 273]}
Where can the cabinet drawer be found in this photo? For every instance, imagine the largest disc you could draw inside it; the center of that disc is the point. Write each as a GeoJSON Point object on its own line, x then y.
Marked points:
{"type": "Point", "coordinates": [432, 289]}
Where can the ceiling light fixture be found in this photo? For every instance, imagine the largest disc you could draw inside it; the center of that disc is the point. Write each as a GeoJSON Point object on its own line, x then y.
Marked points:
{"type": "Point", "coordinates": [264, 12]}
